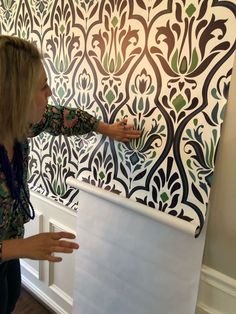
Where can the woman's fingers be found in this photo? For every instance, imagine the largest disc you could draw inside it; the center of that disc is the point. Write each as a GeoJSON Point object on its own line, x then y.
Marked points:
{"type": "Point", "coordinates": [133, 134]}
{"type": "Point", "coordinates": [67, 244]}
{"type": "Point", "coordinates": [43, 245]}
{"type": "Point", "coordinates": [127, 133]}
{"type": "Point", "coordinates": [128, 126]}
{"type": "Point", "coordinates": [54, 259]}
{"type": "Point", "coordinates": [61, 247]}
{"type": "Point", "coordinates": [62, 234]}
{"type": "Point", "coordinates": [123, 122]}
{"type": "Point", "coordinates": [128, 129]}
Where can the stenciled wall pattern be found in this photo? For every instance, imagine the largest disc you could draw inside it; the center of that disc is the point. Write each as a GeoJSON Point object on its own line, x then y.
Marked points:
{"type": "Point", "coordinates": [166, 65]}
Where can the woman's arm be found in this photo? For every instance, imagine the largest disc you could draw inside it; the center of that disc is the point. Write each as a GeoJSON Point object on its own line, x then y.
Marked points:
{"type": "Point", "coordinates": [119, 131]}
{"type": "Point", "coordinates": [70, 121]}
{"type": "Point", "coordinates": [39, 247]}
{"type": "Point", "coordinates": [66, 121]}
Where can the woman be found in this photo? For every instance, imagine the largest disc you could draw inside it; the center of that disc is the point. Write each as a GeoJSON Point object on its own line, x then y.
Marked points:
{"type": "Point", "coordinates": [24, 112]}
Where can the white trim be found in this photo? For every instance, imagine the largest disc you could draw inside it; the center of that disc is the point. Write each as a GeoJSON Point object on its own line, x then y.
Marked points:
{"type": "Point", "coordinates": [37, 273]}
{"type": "Point", "coordinates": [61, 294]}
{"type": "Point", "coordinates": [30, 269]}
{"type": "Point", "coordinates": [53, 203]}
{"type": "Point", "coordinates": [139, 208]}
{"type": "Point", "coordinates": [219, 280]}
{"type": "Point", "coordinates": [217, 293]}
{"type": "Point", "coordinates": [54, 223]}
{"type": "Point", "coordinates": [203, 309]}
{"type": "Point", "coordinates": [42, 296]}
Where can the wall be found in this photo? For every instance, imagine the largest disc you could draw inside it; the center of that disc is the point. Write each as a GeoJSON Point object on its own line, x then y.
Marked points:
{"type": "Point", "coordinates": [217, 293]}
{"type": "Point", "coordinates": [220, 253]}
{"type": "Point", "coordinates": [166, 65]}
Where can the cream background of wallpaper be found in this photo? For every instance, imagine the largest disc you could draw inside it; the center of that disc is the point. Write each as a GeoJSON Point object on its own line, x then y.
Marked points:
{"type": "Point", "coordinates": [52, 160]}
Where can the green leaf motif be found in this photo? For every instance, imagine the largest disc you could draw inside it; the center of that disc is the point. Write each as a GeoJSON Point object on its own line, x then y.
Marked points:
{"type": "Point", "coordinates": [214, 93]}
{"type": "Point", "coordinates": [119, 62]}
{"type": "Point", "coordinates": [110, 97]}
{"type": "Point", "coordinates": [179, 103]}
{"type": "Point", "coordinates": [151, 90]}
{"type": "Point", "coordinates": [214, 114]}
{"type": "Point", "coordinates": [140, 104]}
{"type": "Point", "coordinates": [174, 61]}
{"type": "Point", "coordinates": [164, 197]}
{"type": "Point", "coordinates": [190, 10]}
{"type": "Point", "coordinates": [114, 21]}
{"type": "Point", "coordinates": [189, 163]}
{"type": "Point", "coordinates": [209, 154]}
{"type": "Point", "coordinates": [105, 62]}
{"type": "Point", "coordinates": [183, 65]}
{"type": "Point", "coordinates": [61, 92]}
{"type": "Point", "coordinates": [101, 175]}
{"type": "Point", "coordinates": [153, 155]}
{"type": "Point", "coordinates": [112, 66]}
{"type": "Point", "coordinates": [189, 133]}
{"type": "Point", "coordinates": [162, 128]}
{"type": "Point", "coordinates": [214, 133]}
{"type": "Point", "coordinates": [194, 62]}
{"type": "Point", "coordinates": [66, 63]}
{"type": "Point", "coordinates": [222, 114]}
{"type": "Point", "coordinates": [62, 28]}
{"type": "Point", "coordinates": [212, 154]}
{"type": "Point", "coordinates": [83, 98]}
{"type": "Point", "coordinates": [54, 185]}
{"type": "Point", "coordinates": [192, 176]}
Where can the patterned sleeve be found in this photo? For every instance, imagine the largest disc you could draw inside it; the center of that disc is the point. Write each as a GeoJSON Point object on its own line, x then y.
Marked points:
{"type": "Point", "coordinates": [67, 121]}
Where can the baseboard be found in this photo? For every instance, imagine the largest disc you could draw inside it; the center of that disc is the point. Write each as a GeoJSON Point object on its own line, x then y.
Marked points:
{"type": "Point", "coordinates": [203, 309]}
{"type": "Point", "coordinates": [217, 293]}
{"type": "Point", "coordinates": [39, 294]}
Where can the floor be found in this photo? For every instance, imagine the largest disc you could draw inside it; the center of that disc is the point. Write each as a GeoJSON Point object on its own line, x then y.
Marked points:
{"type": "Point", "coordinates": [27, 304]}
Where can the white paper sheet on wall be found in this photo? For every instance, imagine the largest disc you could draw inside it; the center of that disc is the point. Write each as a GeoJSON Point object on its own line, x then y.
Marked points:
{"type": "Point", "coordinates": [132, 264]}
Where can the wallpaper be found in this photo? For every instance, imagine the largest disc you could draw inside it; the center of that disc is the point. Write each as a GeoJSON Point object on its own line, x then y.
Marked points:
{"type": "Point", "coordinates": [165, 65]}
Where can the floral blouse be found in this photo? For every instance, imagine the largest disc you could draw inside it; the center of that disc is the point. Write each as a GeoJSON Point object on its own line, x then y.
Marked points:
{"type": "Point", "coordinates": [56, 120]}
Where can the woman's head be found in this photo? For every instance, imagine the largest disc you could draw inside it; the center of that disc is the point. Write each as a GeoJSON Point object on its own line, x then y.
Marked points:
{"type": "Point", "coordinates": [20, 74]}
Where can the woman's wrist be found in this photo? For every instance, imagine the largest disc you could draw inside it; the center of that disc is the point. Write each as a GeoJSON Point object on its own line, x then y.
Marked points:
{"type": "Point", "coordinates": [11, 249]}
{"type": "Point", "coordinates": [103, 128]}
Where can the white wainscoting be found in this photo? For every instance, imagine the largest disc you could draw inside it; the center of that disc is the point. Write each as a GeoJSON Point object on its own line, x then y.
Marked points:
{"type": "Point", "coordinates": [50, 282]}
{"type": "Point", "coordinates": [217, 293]}
{"type": "Point", "coordinates": [53, 283]}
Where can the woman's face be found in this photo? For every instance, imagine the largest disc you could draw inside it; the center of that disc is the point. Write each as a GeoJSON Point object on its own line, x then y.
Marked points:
{"type": "Point", "coordinates": [42, 93]}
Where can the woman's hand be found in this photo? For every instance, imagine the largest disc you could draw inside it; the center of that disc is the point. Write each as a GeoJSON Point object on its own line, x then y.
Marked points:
{"type": "Point", "coordinates": [119, 131]}
{"type": "Point", "coordinates": [39, 247]}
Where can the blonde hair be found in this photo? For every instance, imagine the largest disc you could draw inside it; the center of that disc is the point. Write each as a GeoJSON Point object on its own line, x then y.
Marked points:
{"type": "Point", "coordinates": [19, 70]}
